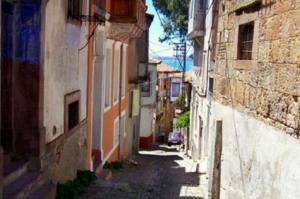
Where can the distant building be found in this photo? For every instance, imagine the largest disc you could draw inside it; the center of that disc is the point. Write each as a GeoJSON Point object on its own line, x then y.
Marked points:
{"type": "Point", "coordinates": [169, 87]}
{"type": "Point", "coordinates": [148, 107]}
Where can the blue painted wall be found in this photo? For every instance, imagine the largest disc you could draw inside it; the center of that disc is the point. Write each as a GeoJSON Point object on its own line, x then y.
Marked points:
{"type": "Point", "coordinates": [21, 22]}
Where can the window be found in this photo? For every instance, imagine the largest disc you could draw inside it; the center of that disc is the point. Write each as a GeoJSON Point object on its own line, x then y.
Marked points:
{"type": "Point", "coordinates": [108, 78]}
{"type": "Point", "coordinates": [73, 115]}
{"type": "Point", "coordinates": [122, 132]}
{"type": "Point", "coordinates": [116, 74]}
{"type": "Point", "coordinates": [116, 131]}
{"type": "Point", "coordinates": [146, 86]}
{"type": "Point", "coordinates": [245, 41]}
{"type": "Point", "coordinates": [72, 111]}
{"type": "Point", "coordinates": [211, 85]}
{"type": "Point", "coordinates": [124, 63]}
{"type": "Point", "coordinates": [74, 9]}
{"type": "Point", "coordinates": [175, 89]}
{"type": "Point", "coordinates": [130, 104]}
{"type": "Point", "coordinates": [202, 4]}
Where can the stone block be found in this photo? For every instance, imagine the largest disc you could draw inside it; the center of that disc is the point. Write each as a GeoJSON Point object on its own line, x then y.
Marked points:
{"type": "Point", "coordinates": [287, 80]}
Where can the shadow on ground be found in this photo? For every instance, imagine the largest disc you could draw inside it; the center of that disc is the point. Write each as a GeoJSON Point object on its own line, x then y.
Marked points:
{"type": "Point", "coordinates": [162, 172]}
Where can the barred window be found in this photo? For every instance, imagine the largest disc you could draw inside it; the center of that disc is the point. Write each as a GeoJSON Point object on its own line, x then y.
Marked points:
{"type": "Point", "coordinates": [245, 42]}
{"type": "Point", "coordinates": [74, 9]}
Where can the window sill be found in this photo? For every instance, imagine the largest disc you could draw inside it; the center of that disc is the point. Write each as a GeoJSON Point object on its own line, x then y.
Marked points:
{"type": "Point", "coordinates": [74, 21]}
{"type": "Point", "coordinates": [244, 64]}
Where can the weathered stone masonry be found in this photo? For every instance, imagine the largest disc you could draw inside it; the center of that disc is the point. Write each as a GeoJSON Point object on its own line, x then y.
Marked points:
{"type": "Point", "coordinates": [268, 86]}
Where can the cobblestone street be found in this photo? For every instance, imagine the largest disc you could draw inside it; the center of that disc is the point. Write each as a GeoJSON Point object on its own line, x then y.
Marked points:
{"type": "Point", "coordinates": [162, 173]}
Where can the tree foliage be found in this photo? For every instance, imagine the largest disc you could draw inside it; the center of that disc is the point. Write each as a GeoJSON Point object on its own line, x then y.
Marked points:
{"type": "Point", "coordinates": [175, 18]}
{"type": "Point", "coordinates": [183, 120]}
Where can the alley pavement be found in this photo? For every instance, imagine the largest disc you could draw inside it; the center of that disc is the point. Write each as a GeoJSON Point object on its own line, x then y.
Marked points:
{"type": "Point", "coordinates": [162, 172]}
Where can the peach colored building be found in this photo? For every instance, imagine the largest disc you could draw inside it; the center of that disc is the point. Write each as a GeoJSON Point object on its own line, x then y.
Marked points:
{"type": "Point", "coordinates": [108, 78]}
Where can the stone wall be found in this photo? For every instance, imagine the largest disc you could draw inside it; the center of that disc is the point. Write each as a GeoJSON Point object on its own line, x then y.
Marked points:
{"type": "Point", "coordinates": [65, 156]}
{"type": "Point", "coordinates": [268, 86]}
{"type": "Point", "coordinates": [258, 161]}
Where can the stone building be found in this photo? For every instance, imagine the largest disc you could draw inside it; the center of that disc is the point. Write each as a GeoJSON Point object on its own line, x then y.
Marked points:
{"type": "Point", "coordinates": [253, 124]}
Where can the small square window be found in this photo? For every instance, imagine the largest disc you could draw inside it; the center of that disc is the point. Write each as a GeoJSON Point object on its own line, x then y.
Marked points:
{"type": "Point", "coordinates": [245, 42]}
{"type": "Point", "coordinates": [72, 111]}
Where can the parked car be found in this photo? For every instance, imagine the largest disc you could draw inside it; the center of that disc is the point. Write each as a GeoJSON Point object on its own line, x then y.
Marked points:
{"type": "Point", "coordinates": [175, 138]}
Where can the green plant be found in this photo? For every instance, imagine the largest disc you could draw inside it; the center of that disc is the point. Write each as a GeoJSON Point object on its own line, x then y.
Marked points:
{"type": "Point", "coordinates": [72, 189]}
{"type": "Point", "coordinates": [174, 18]}
{"type": "Point", "coordinates": [183, 120]}
{"type": "Point", "coordinates": [116, 165]}
{"type": "Point", "coordinates": [180, 102]}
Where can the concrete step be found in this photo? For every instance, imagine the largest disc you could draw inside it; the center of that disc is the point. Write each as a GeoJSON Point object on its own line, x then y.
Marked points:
{"type": "Point", "coordinates": [13, 171]}
{"type": "Point", "coordinates": [23, 186]}
{"type": "Point", "coordinates": [45, 191]}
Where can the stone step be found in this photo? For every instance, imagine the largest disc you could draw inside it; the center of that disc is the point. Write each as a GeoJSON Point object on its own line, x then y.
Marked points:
{"type": "Point", "coordinates": [13, 171]}
{"type": "Point", "coordinates": [45, 191]}
{"type": "Point", "coordinates": [23, 186]}
{"type": "Point", "coordinates": [105, 174]}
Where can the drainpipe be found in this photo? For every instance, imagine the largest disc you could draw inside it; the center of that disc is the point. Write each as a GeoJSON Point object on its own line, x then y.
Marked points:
{"type": "Point", "coordinates": [89, 91]}
{"type": "Point", "coordinates": [120, 102]}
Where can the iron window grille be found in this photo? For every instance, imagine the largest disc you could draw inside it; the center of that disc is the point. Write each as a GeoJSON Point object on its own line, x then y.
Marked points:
{"type": "Point", "coordinates": [245, 43]}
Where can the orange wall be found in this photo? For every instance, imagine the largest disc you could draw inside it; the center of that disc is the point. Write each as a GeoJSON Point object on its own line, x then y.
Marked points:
{"type": "Point", "coordinates": [113, 113]}
{"type": "Point", "coordinates": [89, 89]}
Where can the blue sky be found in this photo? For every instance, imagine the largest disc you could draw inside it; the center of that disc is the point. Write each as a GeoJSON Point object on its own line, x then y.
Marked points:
{"type": "Point", "coordinates": [157, 48]}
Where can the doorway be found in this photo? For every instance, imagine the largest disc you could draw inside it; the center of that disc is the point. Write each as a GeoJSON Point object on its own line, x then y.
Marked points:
{"type": "Point", "coordinates": [20, 68]}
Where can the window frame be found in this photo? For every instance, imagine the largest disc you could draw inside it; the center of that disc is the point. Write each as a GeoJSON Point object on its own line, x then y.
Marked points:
{"type": "Point", "coordinates": [108, 79]}
{"type": "Point", "coordinates": [116, 77]}
{"type": "Point", "coordinates": [124, 70]}
{"type": "Point", "coordinates": [69, 99]}
{"type": "Point", "coordinates": [242, 40]}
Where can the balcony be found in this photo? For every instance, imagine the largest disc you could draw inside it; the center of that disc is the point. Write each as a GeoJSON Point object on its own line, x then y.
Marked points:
{"type": "Point", "coordinates": [196, 26]}
{"type": "Point", "coordinates": [127, 19]}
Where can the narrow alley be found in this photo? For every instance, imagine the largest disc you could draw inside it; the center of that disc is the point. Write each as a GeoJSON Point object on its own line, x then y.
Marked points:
{"type": "Point", "coordinates": [162, 172]}
{"type": "Point", "coordinates": [149, 99]}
